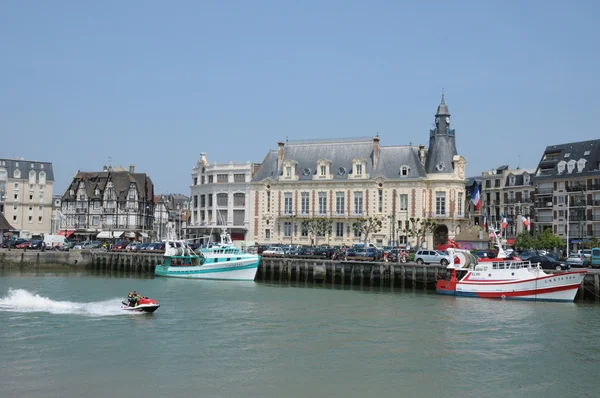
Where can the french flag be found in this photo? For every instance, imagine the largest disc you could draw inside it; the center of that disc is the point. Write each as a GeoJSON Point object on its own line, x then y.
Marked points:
{"type": "Point", "coordinates": [484, 220]}
{"type": "Point", "coordinates": [504, 223]}
{"type": "Point", "coordinates": [476, 198]}
{"type": "Point", "coordinates": [526, 222]}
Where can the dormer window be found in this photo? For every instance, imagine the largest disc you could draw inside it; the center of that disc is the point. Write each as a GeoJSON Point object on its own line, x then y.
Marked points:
{"type": "Point", "coordinates": [404, 170]}
{"type": "Point", "coordinates": [560, 167]}
{"type": "Point", "coordinates": [567, 154]}
{"type": "Point", "coordinates": [31, 177]}
{"type": "Point", "coordinates": [570, 166]}
{"type": "Point", "coordinates": [586, 153]}
{"type": "Point", "coordinates": [17, 173]}
{"type": "Point", "coordinates": [512, 180]}
{"type": "Point", "coordinates": [97, 191]}
{"type": "Point", "coordinates": [289, 170]}
{"type": "Point", "coordinates": [323, 170]}
{"type": "Point", "coordinates": [525, 179]}
{"type": "Point", "coordinates": [581, 165]}
{"type": "Point", "coordinates": [359, 168]}
{"type": "Point", "coordinates": [42, 178]}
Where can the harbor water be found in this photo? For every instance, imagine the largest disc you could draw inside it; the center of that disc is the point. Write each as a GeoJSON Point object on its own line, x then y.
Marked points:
{"type": "Point", "coordinates": [62, 334]}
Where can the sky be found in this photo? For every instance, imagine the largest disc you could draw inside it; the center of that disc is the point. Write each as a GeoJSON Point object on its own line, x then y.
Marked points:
{"type": "Point", "coordinates": [86, 84]}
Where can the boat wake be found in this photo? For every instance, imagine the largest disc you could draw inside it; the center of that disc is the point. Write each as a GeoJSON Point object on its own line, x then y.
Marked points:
{"type": "Point", "coordinates": [21, 300]}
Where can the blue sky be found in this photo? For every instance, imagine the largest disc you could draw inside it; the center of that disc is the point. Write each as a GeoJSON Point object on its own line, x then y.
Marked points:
{"type": "Point", "coordinates": [155, 83]}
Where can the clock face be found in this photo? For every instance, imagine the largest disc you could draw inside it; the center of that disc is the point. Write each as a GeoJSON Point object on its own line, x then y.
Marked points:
{"type": "Point", "coordinates": [448, 120]}
{"type": "Point", "coordinates": [440, 166]}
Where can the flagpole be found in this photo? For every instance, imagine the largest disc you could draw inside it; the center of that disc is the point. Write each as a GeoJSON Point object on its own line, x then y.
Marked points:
{"type": "Point", "coordinates": [567, 225]}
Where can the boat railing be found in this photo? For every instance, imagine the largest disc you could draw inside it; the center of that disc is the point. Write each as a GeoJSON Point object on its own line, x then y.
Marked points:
{"type": "Point", "coordinates": [507, 265]}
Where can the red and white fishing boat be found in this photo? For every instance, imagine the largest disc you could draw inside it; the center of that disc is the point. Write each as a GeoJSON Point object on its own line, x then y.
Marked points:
{"type": "Point", "coordinates": [504, 278]}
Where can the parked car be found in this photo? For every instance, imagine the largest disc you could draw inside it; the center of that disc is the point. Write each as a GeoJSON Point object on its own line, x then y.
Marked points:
{"type": "Point", "coordinates": [432, 257]}
{"type": "Point", "coordinates": [250, 250]}
{"type": "Point", "coordinates": [575, 259]}
{"type": "Point", "coordinates": [549, 263]}
{"type": "Point", "coordinates": [36, 244]}
{"type": "Point", "coordinates": [23, 245]}
{"type": "Point", "coordinates": [274, 251]}
{"type": "Point", "coordinates": [132, 246]}
{"type": "Point", "coordinates": [12, 243]}
{"type": "Point", "coordinates": [88, 244]}
{"type": "Point", "coordinates": [120, 245]}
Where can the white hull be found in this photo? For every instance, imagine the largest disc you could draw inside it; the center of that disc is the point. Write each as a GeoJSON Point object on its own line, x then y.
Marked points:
{"type": "Point", "coordinates": [557, 287]}
{"type": "Point", "coordinates": [240, 270]}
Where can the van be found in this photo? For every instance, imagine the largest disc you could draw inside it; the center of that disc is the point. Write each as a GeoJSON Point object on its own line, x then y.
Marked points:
{"type": "Point", "coordinates": [54, 241]}
{"type": "Point", "coordinates": [595, 257]}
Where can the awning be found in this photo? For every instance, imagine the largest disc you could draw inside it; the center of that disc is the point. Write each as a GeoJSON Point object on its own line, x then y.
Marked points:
{"type": "Point", "coordinates": [62, 232]}
{"type": "Point", "coordinates": [109, 234]}
{"type": "Point", "coordinates": [130, 234]}
{"type": "Point", "coordinates": [510, 241]}
{"type": "Point", "coordinates": [143, 234]}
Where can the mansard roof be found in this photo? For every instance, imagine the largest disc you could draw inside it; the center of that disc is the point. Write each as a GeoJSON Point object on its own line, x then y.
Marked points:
{"type": "Point", "coordinates": [10, 165]}
{"type": "Point", "coordinates": [342, 153]}
{"type": "Point", "coordinates": [554, 154]}
{"type": "Point", "coordinates": [519, 175]}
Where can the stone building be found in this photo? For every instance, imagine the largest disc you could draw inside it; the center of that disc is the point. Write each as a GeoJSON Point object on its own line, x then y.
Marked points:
{"type": "Point", "coordinates": [171, 216]}
{"type": "Point", "coordinates": [507, 193]}
{"type": "Point", "coordinates": [347, 179]}
{"type": "Point", "coordinates": [567, 191]}
{"type": "Point", "coordinates": [26, 195]}
{"type": "Point", "coordinates": [114, 203]}
{"type": "Point", "coordinates": [219, 194]}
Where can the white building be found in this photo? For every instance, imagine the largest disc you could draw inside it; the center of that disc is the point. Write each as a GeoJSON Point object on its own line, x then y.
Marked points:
{"type": "Point", "coordinates": [26, 195]}
{"type": "Point", "coordinates": [219, 199]}
{"type": "Point", "coordinates": [346, 180]}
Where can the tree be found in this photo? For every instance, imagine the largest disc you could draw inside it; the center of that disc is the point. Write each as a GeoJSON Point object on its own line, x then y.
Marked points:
{"type": "Point", "coordinates": [316, 227]}
{"type": "Point", "coordinates": [417, 228]}
{"type": "Point", "coordinates": [547, 240]}
{"type": "Point", "coordinates": [523, 241]}
{"type": "Point", "coordinates": [366, 225]}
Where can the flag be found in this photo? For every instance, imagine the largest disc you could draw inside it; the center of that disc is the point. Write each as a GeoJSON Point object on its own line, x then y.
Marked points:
{"type": "Point", "coordinates": [525, 221]}
{"type": "Point", "coordinates": [476, 198]}
{"type": "Point", "coordinates": [528, 223]}
{"type": "Point", "coordinates": [504, 223]}
{"type": "Point", "coordinates": [485, 220]}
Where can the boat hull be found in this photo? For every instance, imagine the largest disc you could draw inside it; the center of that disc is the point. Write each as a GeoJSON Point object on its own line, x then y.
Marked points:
{"type": "Point", "coordinates": [141, 308]}
{"type": "Point", "coordinates": [239, 270]}
{"type": "Point", "coordinates": [557, 287]}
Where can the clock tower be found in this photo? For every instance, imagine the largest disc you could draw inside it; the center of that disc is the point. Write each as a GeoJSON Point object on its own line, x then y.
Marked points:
{"type": "Point", "coordinates": [442, 144]}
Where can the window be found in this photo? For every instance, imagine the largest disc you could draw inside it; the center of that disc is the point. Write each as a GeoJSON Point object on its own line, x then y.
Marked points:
{"type": "Point", "coordinates": [560, 167]}
{"type": "Point", "coordinates": [96, 221]}
{"type": "Point", "coordinates": [221, 178]}
{"type": "Point", "coordinates": [357, 233]}
{"type": "Point", "coordinates": [380, 201]}
{"type": "Point", "coordinates": [512, 180]}
{"type": "Point", "coordinates": [287, 203]}
{"type": "Point", "coordinates": [322, 203]}
{"type": "Point", "coordinates": [96, 204]}
{"type": "Point", "coordinates": [440, 203]}
{"type": "Point", "coordinates": [14, 218]}
{"type": "Point", "coordinates": [202, 180]}
{"type": "Point", "coordinates": [580, 165]}
{"type": "Point", "coordinates": [403, 202]}
{"type": "Point", "coordinates": [30, 196]}
{"type": "Point", "coordinates": [40, 209]}
{"type": "Point", "coordinates": [239, 199]}
{"type": "Point", "coordinates": [132, 192]}
{"type": "Point", "coordinates": [222, 199]}
{"type": "Point", "coordinates": [17, 172]}
{"type": "Point", "coordinates": [339, 203]}
{"type": "Point", "coordinates": [267, 234]}
{"type": "Point", "coordinates": [570, 166]}
{"type": "Point", "coordinates": [239, 216]}
{"type": "Point", "coordinates": [210, 179]}
{"type": "Point", "coordinates": [304, 232]}
{"type": "Point", "coordinates": [497, 183]}
{"type": "Point", "coordinates": [288, 171]}
{"type": "Point", "coordinates": [16, 186]}
{"type": "Point", "coordinates": [202, 200]}
{"type": "Point", "coordinates": [323, 170]}
{"type": "Point", "coordinates": [525, 196]}
{"type": "Point", "coordinates": [31, 177]}
{"type": "Point", "coordinates": [40, 219]}
{"type": "Point", "coordinates": [561, 213]}
{"type": "Point", "coordinates": [30, 219]}
{"type": "Point", "coordinates": [15, 207]}
{"type": "Point", "coordinates": [287, 229]}
{"type": "Point", "coordinates": [488, 184]}
{"type": "Point", "coordinates": [239, 178]}
{"type": "Point", "coordinates": [268, 200]}
{"type": "Point", "coordinates": [339, 229]}
{"type": "Point", "coordinates": [210, 199]}
{"type": "Point", "coordinates": [404, 171]}
{"type": "Point", "coordinates": [460, 204]}
{"type": "Point", "coordinates": [358, 203]}
{"type": "Point", "coordinates": [305, 203]}
{"type": "Point", "coordinates": [359, 169]}
{"type": "Point", "coordinates": [525, 179]}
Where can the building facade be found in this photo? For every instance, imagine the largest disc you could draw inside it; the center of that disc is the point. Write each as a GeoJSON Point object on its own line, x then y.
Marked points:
{"type": "Point", "coordinates": [219, 199]}
{"type": "Point", "coordinates": [567, 191]}
{"type": "Point", "coordinates": [26, 195]}
{"type": "Point", "coordinates": [507, 193]}
{"type": "Point", "coordinates": [114, 203]}
{"type": "Point", "coordinates": [171, 215]}
{"type": "Point", "coordinates": [345, 180]}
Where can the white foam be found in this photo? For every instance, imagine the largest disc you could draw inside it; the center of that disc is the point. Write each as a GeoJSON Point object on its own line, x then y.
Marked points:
{"type": "Point", "coordinates": [21, 300]}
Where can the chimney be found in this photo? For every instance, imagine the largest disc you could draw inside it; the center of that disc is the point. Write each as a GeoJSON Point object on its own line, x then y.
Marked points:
{"type": "Point", "coordinates": [422, 154]}
{"type": "Point", "coordinates": [280, 154]}
{"type": "Point", "coordinates": [203, 159]}
{"type": "Point", "coordinates": [131, 169]}
{"type": "Point", "coordinates": [375, 152]}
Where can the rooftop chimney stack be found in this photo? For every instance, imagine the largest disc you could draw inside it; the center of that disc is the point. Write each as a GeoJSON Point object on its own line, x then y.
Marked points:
{"type": "Point", "coordinates": [375, 152]}
{"type": "Point", "coordinates": [131, 169]}
{"type": "Point", "coordinates": [422, 154]}
{"type": "Point", "coordinates": [280, 154]}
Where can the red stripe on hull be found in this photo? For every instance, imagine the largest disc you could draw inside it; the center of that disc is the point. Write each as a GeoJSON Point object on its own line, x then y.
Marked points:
{"type": "Point", "coordinates": [531, 292]}
{"type": "Point", "coordinates": [468, 281]}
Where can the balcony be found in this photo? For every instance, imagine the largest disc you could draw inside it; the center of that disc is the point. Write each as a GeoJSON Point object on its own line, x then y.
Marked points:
{"type": "Point", "coordinates": [544, 191]}
{"type": "Point", "coordinates": [593, 202]}
{"type": "Point", "coordinates": [594, 217]}
{"type": "Point", "coordinates": [593, 187]}
{"type": "Point", "coordinates": [576, 188]}
{"type": "Point", "coordinates": [109, 210]}
{"type": "Point", "coordinates": [544, 219]}
{"type": "Point", "coordinates": [543, 204]}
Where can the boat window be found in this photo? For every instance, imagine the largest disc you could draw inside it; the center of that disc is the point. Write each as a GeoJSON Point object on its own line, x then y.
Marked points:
{"type": "Point", "coordinates": [239, 258]}
{"type": "Point", "coordinates": [228, 259]}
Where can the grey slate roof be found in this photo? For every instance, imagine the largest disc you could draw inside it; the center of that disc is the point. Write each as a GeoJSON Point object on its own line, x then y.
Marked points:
{"type": "Point", "coordinates": [518, 174]}
{"type": "Point", "coordinates": [120, 180]}
{"type": "Point", "coordinates": [442, 109]}
{"type": "Point", "coordinates": [575, 151]}
{"type": "Point", "coordinates": [341, 153]}
{"type": "Point", "coordinates": [442, 148]}
{"type": "Point", "coordinates": [25, 165]}
{"type": "Point", "coordinates": [4, 225]}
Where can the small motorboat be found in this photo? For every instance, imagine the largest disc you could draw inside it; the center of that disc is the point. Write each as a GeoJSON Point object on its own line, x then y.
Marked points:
{"type": "Point", "coordinates": [144, 304]}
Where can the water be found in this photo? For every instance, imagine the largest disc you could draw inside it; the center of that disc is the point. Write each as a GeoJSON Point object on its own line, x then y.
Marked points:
{"type": "Point", "coordinates": [63, 335]}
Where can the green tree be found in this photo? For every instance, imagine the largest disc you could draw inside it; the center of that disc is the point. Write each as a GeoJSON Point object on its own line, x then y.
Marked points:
{"type": "Point", "coordinates": [367, 225]}
{"type": "Point", "coordinates": [419, 228]}
{"type": "Point", "coordinates": [547, 240]}
{"type": "Point", "coordinates": [523, 241]}
{"type": "Point", "coordinates": [316, 227]}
